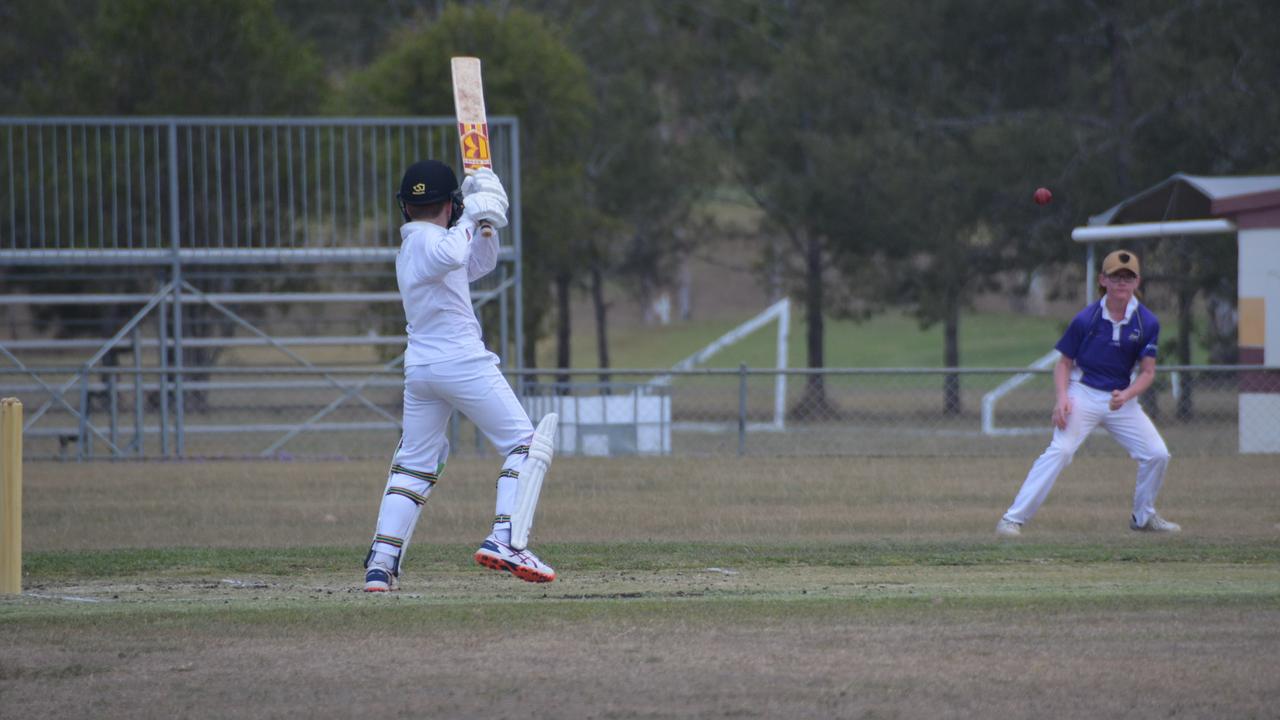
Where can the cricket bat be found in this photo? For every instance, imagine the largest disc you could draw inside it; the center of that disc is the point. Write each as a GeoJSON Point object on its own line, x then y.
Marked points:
{"type": "Point", "coordinates": [473, 126]}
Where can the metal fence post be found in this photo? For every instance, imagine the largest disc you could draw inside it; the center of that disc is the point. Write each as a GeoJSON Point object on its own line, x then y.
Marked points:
{"type": "Point", "coordinates": [113, 408]}
{"type": "Point", "coordinates": [162, 379]}
{"type": "Point", "coordinates": [139, 394]}
{"type": "Point", "coordinates": [742, 409]}
{"type": "Point", "coordinates": [175, 239]}
{"type": "Point", "coordinates": [83, 445]}
{"type": "Point", "coordinates": [504, 353]}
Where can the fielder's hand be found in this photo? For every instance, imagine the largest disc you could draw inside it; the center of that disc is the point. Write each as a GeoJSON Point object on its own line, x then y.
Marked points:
{"type": "Point", "coordinates": [483, 207]}
{"type": "Point", "coordinates": [1117, 399]}
{"type": "Point", "coordinates": [1060, 413]}
{"type": "Point", "coordinates": [483, 180]}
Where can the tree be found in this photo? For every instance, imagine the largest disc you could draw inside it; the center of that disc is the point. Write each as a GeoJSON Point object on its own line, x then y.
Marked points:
{"type": "Point", "coordinates": [529, 73]}
{"type": "Point", "coordinates": [643, 170]}
{"type": "Point", "coordinates": [216, 57]}
{"type": "Point", "coordinates": [1189, 86]}
{"type": "Point", "coordinates": [1225, 58]}
{"type": "Point", "coordinates": [35, 39]}
{"type": "Point", "coordinates": [136, 57]}
{"type": "Point", "coordinates": [970, 98]}
{"type": "Point", "coordinates": [788, 127]}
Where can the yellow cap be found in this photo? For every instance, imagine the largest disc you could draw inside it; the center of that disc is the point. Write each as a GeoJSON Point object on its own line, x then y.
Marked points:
{"type": "Point", "coordinates": [1120, 260]}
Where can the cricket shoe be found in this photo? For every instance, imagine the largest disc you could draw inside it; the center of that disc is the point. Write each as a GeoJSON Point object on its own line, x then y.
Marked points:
{"type": "Point", "coordinates": [497, 555]}
{"type": "Point", "coordinates": [1155, 523]}
{"type": "Point", "coordinates": [379, 579]}
{"type": "Point", "coordinates": [1008, 528]}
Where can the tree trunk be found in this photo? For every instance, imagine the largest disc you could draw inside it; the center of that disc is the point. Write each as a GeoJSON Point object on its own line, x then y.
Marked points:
{"type": "Point", "coordinates": [1120, 103]}
{"type": "Point", "coordinates": [813, 316]}
{"type": "Point", "coordinates": [951, 358]}
{"type": "Point", "coordinates": [648, 313]}
{"type": "Point", "coordinates": [532, 326]}
{"type": "Point", "coordinates": [814, 403]}
{"type": "Point", "coordinates": [602, 324]}
{"type": "Point", "coordinates": [775, 269]}
{"type": "Point", "coordinates": [685, 293]}
{"type": "Point", "coordinates": [563, 330]}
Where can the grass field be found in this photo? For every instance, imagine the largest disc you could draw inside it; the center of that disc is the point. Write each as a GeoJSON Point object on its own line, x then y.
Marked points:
{"type": "Point", "coordinates": [808, 587]}
{"type": "Point", "coordinates": [889, 340]}
{"type": "Point", "coordinates": [894, 339]}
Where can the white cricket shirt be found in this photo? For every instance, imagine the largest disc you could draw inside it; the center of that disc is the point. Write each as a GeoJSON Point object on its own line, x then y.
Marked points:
{"type": "Point", "coordinates": [434, 271]}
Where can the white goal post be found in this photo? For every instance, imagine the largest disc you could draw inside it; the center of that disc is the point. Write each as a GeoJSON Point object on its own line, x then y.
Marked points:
{"type": "Point", "coordinates": [990, 399]}
{"type": "Point", "coordinates": [780, 311]}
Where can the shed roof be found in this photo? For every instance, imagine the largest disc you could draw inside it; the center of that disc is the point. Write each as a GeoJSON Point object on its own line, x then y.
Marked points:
{"type": "Point", "coordinates": [1194, 197]}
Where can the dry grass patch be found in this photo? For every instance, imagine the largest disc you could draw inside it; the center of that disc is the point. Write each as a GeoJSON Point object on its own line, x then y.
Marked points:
{"type": "Point", "coordinates": [268, 504]}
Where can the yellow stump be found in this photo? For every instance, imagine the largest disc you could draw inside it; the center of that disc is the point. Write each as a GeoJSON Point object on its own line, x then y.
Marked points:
{"type": "Point", "coordinates": [10, 496]}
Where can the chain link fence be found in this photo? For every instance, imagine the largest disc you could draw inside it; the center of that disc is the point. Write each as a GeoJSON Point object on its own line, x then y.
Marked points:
{"type": "Point", "coordinates": [354, 412]}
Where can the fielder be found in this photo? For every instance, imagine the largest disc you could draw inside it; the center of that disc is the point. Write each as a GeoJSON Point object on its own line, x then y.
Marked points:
{"type": "Point", "coordinates": [447, 367]}
{"type": "Point", "coordinates": [1100, 349]}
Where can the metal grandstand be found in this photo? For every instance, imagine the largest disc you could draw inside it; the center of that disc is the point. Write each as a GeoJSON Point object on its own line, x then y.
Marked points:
{"type": "Point", "coordinates": [154, 215]}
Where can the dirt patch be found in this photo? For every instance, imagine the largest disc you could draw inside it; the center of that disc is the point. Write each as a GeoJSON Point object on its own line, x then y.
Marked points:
{"type": "Point", "coordinates": [830, 660]}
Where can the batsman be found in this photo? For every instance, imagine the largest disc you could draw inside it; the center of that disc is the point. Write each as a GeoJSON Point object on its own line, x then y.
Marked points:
{"type": "Point", "coordinates": [447, 368]}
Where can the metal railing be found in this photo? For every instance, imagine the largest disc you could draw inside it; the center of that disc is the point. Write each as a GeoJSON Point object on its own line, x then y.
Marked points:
{"type": "Point", "coordinates": [218, 190]}
{"type": "Point", "coordinates": [354, 412]}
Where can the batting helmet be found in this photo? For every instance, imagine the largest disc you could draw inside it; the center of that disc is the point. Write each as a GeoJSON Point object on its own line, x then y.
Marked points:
{"type": "Point", "coordinates": [427, 182]}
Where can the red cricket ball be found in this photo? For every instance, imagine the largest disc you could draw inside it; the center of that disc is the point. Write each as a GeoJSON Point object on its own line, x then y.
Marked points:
{"type": "Point", "coordinates": [1042, 196]}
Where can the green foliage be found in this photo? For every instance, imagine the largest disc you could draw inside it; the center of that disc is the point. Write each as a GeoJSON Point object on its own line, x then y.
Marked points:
{"type": "Point", "coordinates": [35, 37]}
{"type": "Point", "coordinates": [1178, 87]}
{"type": "Point", "coordinates": [906, 138]}
{"type": "Point", "coordinates": [528, 73]}
{"type": "Point", "coordinates": [218, 57]}
{"type": "Point", "coordinates": [900, 140]}
{"type": "Point", "coordinates": [644, 171]}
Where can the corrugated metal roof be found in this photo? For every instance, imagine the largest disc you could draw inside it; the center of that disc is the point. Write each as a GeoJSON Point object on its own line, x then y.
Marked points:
{"type": "Point", "coordinates": [1193, 197]}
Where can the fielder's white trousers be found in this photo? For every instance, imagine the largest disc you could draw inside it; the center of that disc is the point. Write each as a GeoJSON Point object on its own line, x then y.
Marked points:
{"type": "Point", "coordinates": [1129, 425]}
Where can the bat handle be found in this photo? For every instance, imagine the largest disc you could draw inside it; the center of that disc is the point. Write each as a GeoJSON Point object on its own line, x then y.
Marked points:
{"type": "Point", "coordinates": [486, 229]}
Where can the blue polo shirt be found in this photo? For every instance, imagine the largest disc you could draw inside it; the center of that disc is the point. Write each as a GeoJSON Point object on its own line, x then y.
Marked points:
{"type": "Point", "coordinates": [1105, 352]}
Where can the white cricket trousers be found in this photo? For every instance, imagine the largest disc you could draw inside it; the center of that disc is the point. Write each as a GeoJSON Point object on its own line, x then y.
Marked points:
{"type": "Point", "coordinates": [476, 388]}
{"type": "Point", "coordinates": [1129, 425]}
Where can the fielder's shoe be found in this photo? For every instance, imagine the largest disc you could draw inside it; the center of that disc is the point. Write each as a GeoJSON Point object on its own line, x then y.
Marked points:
{"type": "Point", "coordinates": [1155, 523]}
{"type": "Point", "coordinates": [379, 579]}
{"type": "Point", "coordinates": [497, 555]}
{"type": "Point", "coordinates": [1008, 528]}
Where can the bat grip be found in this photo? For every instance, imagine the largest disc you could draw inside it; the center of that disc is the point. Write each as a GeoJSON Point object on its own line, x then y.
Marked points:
{"type": "Point", "coordinates": [486, 230]}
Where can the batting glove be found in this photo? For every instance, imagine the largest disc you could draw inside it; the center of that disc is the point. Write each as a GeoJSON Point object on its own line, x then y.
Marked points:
{"type": "Point", "coordinates": [483, 180]}
{"type": "Point", "coordinates": [484, 207]}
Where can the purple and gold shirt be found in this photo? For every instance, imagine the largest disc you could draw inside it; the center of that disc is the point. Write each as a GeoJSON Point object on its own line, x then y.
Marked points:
{"type": "Point", "coordinates": [1105, 351]}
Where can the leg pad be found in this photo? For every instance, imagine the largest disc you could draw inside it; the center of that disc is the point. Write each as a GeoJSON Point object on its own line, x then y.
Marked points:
{"type": "Point", "coordinates": [541, 449]}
